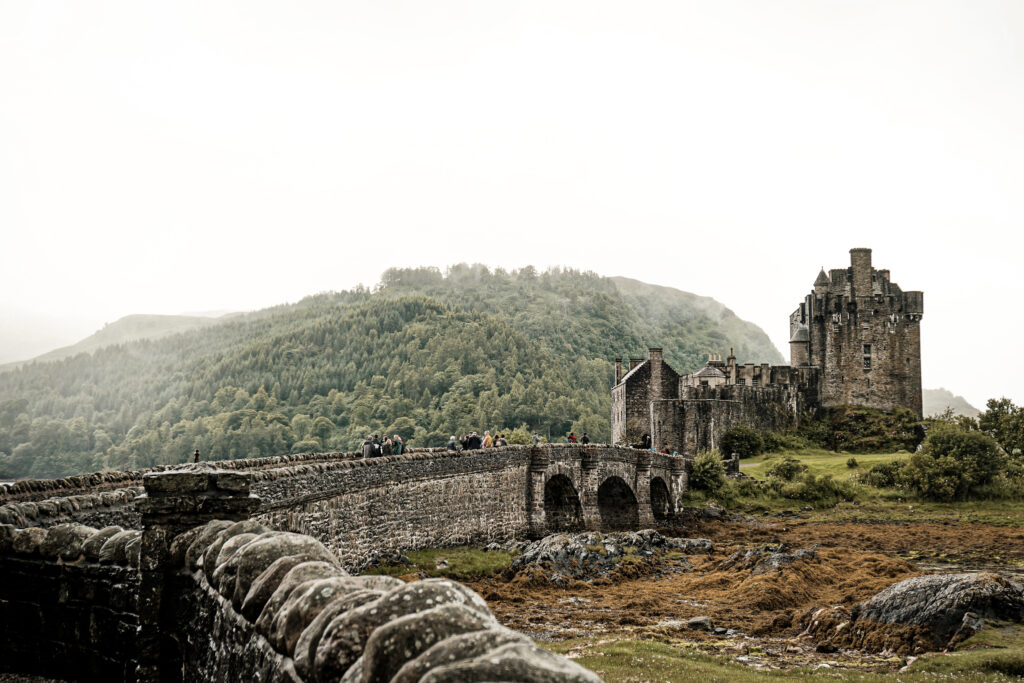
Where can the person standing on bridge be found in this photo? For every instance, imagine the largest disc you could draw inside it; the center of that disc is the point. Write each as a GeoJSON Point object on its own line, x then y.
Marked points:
{"type": "Point", "coordinates": [488, 441]}
{"type": "Point", "coordinates": [368, 447]}
{"type": "Point", "coordinates": [397, 444]}
{"type": "Point", "coordinates": [584, 439]}
{"type": "Point", "coordinates": [453, 445]}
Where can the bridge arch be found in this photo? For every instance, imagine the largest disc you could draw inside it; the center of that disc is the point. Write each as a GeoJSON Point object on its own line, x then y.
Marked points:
{"type": "Point", "coordinates": [562, 508]}
{"type": "Point", "coordinates": [617, 505]}
{"type": "Point", "coordinates": [659, 499]}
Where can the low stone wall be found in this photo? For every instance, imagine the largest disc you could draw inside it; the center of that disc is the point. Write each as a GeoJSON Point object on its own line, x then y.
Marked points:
{"type": "Point", "coordinates": [362, 509]}
{"type": "Point", "coordinates": [250, 603]}
{"type": "Point", "coordinates": [67, 608]}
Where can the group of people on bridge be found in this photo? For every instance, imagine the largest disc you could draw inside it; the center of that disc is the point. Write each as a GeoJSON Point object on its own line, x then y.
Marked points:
{"type": "Point", "coordinates": [373, 447]}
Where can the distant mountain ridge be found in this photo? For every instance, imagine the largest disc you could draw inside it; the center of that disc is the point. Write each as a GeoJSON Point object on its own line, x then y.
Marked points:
{"type": "Point", "coordinates": [936, 401]}
{"type": "Point", "coordinates": [130, 328]}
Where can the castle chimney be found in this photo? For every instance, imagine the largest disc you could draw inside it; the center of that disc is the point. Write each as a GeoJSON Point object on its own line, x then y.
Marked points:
{"type": "Point", "coordinates": [618, 371]}
{"type": "Point", "coordinates": [655, 356]}
{"type": "Point", "coordinates": [633, 362]}
{"type": "Point", "coordinates": [860, 260]}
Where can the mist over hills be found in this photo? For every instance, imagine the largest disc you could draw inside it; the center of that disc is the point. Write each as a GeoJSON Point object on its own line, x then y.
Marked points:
{"type": "Point", "coordinates": [127, 329]}
{"type": "Point", "coordinates": [423, 354]}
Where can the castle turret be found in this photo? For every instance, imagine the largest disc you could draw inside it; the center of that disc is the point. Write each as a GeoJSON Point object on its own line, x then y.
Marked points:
{"type": "Point", "coordinates": [799, 353]}
{"type": "Point", "coordinates": [860, 265]}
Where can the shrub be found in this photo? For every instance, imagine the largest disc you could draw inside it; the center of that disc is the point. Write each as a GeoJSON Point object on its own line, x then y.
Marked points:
{"type": "Point", "coordinates": [851, 463]}
{"type": "Point", "coordinates": [779, 441]}
{"type": "Point", "coordinates": [786, 469]}
{"type": "Point", "coordinates": [954, 464]}
{"type": "Point", "coordinates": [707, 472]}
{"type": "Point", "coordinates": [884, 475]}
{"type": "Point", "coordinates": [742, 440]}
{"type": "Point", "coordinates": [307, 446]}
{"type": "Point", "coordinates": [821, 490]}
{"type": "Point", "coordinates": [863, 430]}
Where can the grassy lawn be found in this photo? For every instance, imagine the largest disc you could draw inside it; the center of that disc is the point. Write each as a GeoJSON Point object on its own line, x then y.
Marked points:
{"type": "Point", "coordinates": [820, 462]}
{"type": "Point", "coordinates": [995, 654]}
{"type": "Point", "coordinates": [869, 504]}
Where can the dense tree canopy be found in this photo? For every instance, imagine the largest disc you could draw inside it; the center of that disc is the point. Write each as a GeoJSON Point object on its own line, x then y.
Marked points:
{"type": "Point", "coordinates": [423, 355]}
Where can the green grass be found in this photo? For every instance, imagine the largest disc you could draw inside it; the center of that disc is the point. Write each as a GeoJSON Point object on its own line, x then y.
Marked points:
{"type": "Point", "coordinates": [463, 563]}
{"type": "Point", "coordinates": [819, 462]}
{"type": "Point", "coordinates": [870, 504]}
{"type": "Point", "coordinates": [993, 655]}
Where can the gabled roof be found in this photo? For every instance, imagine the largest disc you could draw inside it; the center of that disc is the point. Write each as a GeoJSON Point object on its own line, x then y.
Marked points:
{"type": "Point", "coordinates": [822, 279]}
{"type": "Point", "coordinates": [626, 376]}
{"type": "Point", "coordinates": [709, 372]}
{"type": "Point", "coordinates": [801, 335]}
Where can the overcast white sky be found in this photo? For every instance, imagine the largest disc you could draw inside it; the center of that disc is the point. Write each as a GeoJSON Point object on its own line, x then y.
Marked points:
{"type": "Point", "coordinates": [167, 157]}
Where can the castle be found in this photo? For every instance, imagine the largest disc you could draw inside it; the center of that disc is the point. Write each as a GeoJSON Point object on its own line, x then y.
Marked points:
{"type": "Point", "coordinates": [855, 339]}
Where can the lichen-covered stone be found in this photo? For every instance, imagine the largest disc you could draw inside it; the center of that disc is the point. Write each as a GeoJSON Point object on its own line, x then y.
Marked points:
{"type": "Point", "coordinates": [402, 639]}
{"type": "Point", "coordinates": [198, 547]}
{"type": "Point", "coordinates": [305, 647]}
{"type": "Point", "coordinates": [251, 561]}
{"type": "Point", "coordinates": [91, 547]}
{"type": "Point", "coordinates": [224, 575]}
{"type": "Point", "coordinates": [296, 576]}
{"type": "Point", "coordinates": [212, 554]}
{"type": "Point", "coordinates": [456, 648]}
{"type": "Point", "coordinates": [345, 637]}
{"type": "Point", "coordinates": [7, 532]}
{"type": "Point", "coordinates": [266, 583]}
{"type": "Point", "coordinates": [302, 607]}
{"type": "Point", "coordinates": [133, 550]}
{"type": "Point", "coordinates": [180, 544]}
{"type": "Point", "coordinates": [28, 541]}
{"type": "Point", "coordinates": [65, 541]}
{"type": "Point", "coordinates": [523, 662]}
{"type": "Point", "coordinates": [113, 549]}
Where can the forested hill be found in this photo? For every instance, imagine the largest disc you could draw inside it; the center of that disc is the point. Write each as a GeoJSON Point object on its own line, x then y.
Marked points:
{"type": "Point", "coordinates": [422, 355]}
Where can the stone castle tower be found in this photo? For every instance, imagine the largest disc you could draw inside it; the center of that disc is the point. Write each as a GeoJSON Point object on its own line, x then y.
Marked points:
{"type": "Point", "coordinates": [863, 333]}
{"type": "Point", "coordinates": [855, 340]}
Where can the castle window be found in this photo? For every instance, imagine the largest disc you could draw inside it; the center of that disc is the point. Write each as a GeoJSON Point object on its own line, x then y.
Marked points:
{"type": "Point", "coordinates": [867, 349]}
{"type": "Point", "coordinates": [754, 382]}
{"type": "Point", "coordinates": [867, 362]}
{"type": "Point", "coordinates": [703, 382]}
{"type": "Point", "coordinates": [908, 364]}
{"type": "Point", "coordinates": [741, 381]}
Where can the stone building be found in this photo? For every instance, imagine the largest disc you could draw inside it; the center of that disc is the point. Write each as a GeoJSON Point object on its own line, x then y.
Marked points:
{"type": "Point", "coordinates": [854, 340]}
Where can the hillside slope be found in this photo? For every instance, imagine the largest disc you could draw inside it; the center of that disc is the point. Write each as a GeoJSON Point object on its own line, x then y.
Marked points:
{"type": "Point", "coordinates": [127, 329]}
{"type": "Point", "coordinates": [423, 355]}
{"type": "Point", "coordinates": [936, 401]}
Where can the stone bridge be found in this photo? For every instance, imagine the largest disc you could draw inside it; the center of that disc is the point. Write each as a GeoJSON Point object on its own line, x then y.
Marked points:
{"type": "Point", "coordinates": [364, 508]}
{"type": "Point", "coordinates": [132, 575]}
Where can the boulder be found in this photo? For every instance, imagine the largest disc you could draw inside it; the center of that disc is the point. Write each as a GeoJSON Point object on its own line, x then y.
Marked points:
{"type": "Point", "coordinates": [523, 662]}
{"type": "Point", "coordinates": [305, 647]}
{"type": "Point", "coordinates": [919, 614]}
{"type": "Point", "coordinates": [296, 576]}
{"type": "Point", "coordinates": [91, 547]}
{"type": "Point", "coordinates": [700, 624]}
{"type": "Point", "coordinates": [456, 649]}
{"type": "Point", "coordinates": [345, 637]}
{"type": "Point", "coordinates": [252, 560]}
{"type": "Point", "coordinates": [393, 644]}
